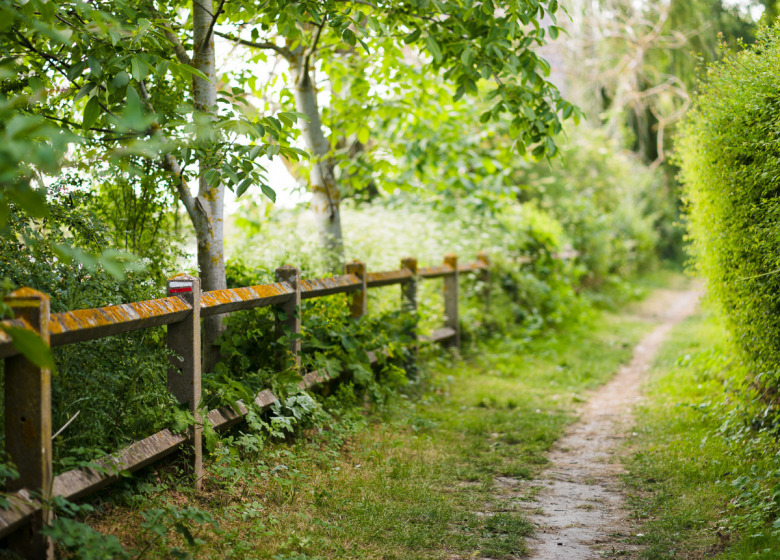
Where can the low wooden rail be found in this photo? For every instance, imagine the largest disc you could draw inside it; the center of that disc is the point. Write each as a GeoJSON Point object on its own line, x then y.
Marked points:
{"type": "Point", "coordinates": [28, 387]}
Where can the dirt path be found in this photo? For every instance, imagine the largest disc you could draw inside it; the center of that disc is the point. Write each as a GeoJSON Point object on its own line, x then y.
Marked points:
{"type": "Point", "coordinates": [579, 511]}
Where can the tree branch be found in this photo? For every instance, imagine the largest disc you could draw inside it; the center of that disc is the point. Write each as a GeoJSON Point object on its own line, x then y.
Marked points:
{"type": "Point", "coordinates": [170, 163]}
{"type": "Point", "coordinates": [280, 50]}
{"type": "Point", "coordinates": [178, 48]}
{"type": "Point", "coordinates": [310, 51]}
{"type": "Point", "coordinates": [216, 15]}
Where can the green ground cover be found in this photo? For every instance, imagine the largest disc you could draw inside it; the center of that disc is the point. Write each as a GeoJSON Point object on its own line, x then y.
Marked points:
{"type": "Point", "coordinates": [701, 475]}
{"type": "Point", "coordinates": [410, 479]}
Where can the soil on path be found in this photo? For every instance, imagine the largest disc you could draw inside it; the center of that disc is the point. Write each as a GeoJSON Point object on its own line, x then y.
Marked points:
{"type": "Point", "coordinates": [579, 511]}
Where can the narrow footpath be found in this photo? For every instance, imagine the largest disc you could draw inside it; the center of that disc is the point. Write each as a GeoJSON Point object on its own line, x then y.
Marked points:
{"type": "Point", "coordinates": [578, 511]}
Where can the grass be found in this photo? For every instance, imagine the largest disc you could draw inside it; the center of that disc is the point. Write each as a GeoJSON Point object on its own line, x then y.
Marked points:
{"type": "Point", "coordinates": [695, 479]}
{"type": "Point", "coordinates": [412, 479]}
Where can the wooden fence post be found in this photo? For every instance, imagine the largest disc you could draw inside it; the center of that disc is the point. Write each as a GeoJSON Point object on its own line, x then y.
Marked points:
{"type": "Point", "coordinates": [451, 301]}
{"type": "Point", "coordinates": [184, 373]}
{"type": "Point", "coordinates": [484, 277]}
{"type": "Point", "coordinates": [409, 305]}
{"type": "Point", "coordinates": [291, 325]}
{"type": "Point", "coordinates": [28, 425]}
{"type": "Point", "coordinates": [359, 302]}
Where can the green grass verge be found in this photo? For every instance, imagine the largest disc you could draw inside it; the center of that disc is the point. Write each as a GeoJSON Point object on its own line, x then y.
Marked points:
{"type": "Point", "coordinates": [697, 469]}
{"type": "Point", "coordinates": [414, 479]}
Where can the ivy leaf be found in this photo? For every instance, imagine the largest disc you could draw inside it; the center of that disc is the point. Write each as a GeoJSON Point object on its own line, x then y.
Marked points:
{"type": "Point", "coordinates": [91, 113]}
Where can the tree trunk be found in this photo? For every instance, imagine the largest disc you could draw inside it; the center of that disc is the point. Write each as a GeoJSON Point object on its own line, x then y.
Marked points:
{"type": "Point", "coordinates": [210, 200]}
{"type": "Point", "coordinates": [326, 197]}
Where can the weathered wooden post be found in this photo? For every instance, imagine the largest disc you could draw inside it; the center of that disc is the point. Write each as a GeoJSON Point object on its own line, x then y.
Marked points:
{"type": "Point", "coordinates": [359, 303]}
{"type": "Point", "coordinates": [409, 305]}
{"type": "Point", "coordinates": [184, 373]}
{"type": "Point", "coordinates": [291, 324]}
{"type": "Point", "coordinates": [28, 424]}
{"type": "Point", "coordinates": [451, 301]}
{"type": "Point", "coordinates": [484, 277]}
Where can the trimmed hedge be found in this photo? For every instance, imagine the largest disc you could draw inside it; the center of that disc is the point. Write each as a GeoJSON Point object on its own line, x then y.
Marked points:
{"type": "Point", "coordinates": [729, 154]}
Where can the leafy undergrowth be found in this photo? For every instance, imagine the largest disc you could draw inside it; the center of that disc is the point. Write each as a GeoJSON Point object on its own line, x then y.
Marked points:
{"type": "Point", "coordinates": [413, 479]}
{"type": "Point", "coordinates": [701, 476]}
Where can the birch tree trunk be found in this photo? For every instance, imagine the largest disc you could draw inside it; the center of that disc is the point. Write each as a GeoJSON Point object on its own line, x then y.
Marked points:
{"type": "Point", "coordinates": [326, 197]}
{"type": "Point", "coordinates": [210, 200]}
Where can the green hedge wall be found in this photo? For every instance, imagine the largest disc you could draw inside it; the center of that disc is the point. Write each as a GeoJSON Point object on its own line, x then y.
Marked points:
{"type": "Point", "coordinates": [729, 154]}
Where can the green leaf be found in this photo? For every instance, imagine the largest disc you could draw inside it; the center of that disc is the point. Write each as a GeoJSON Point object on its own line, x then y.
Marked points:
{"type": "Point", "coordinates": [433, 48]}
{"type": "Point", "coordinates": [91, 113]}
{"type": "Point", "coordinates": [552, 149]}
{"type": "Point", "coordinates": [85, 89]}
{"type": "Point", "coordinates": [363, 135]}
{"type": "Point", "coordinates": [121, 80]}
{"type": "Point", "coordinates": [242, 188]}
{"type": "Point", "coordinates": [94, 66]}
{"type": "Point", "coordinates": [35, 83]}
{"type": "Point", "coordinates": [213, 176]}
{"type": "Point", "coordinates": [413, 36]}
{"type": "Point", "coordinates": [269, 192]}
{"type": "Point", "coordinates": [31, 346]}
{"type": "Point", "coordinates": [553, 32]}
{"type": "Point", "coordinates": [133, 108]}
{"type": "Point", "coordinates": [31, 200]}
{"type": "Point", "coordinates": [349, 37]}
{"type": "Point", "coordinates": [287, 119]}
{"type": "Point", "coordinates": [467, 56]}
{"type": "Point", "coordinates": [231, 174]}
{"type": "Point", "coordinates": [139, 69]}
{"type": "Point", "coordinates": [459, 93]}
{"type": "Point", "coordinates": [189, 71]}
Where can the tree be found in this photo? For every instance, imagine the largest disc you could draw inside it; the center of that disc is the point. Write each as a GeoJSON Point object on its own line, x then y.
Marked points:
{"type": "Point", "coordinates": [132, 82]}
{"type": "Point", "coordinates": [115, 80]}
{"type": "Point", "coordinates": [467, 42]}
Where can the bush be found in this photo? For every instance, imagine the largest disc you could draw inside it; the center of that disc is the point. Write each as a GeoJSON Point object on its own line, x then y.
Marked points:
{"type": "Point", "coordinates": [730, 169]}
{"type": "Point", "coordinates": [116, 385]}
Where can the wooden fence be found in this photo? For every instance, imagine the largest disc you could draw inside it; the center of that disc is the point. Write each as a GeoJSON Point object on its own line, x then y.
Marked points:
{"type": "Point", "coordinates": [28, 427]}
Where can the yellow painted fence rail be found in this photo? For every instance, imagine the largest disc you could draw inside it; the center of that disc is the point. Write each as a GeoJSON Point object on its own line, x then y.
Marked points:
{"type": "Point", "coordinates": [28, 427]}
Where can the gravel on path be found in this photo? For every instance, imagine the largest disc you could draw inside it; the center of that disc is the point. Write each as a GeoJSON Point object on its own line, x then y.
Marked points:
{"type": "Point", "coordinates": [579, 512]}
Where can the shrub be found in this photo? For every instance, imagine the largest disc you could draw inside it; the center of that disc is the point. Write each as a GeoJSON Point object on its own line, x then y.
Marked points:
{"type": "Point", "coordinates": [116, 385]}
{"type": "Point", "coordinates": [730, 169]}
